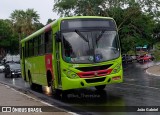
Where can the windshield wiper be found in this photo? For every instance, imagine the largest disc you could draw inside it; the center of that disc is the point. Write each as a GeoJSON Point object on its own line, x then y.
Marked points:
{"type": "Point", "coordinates": [99, 37]}
{"type": "Point", "coordinates": [81, 35]}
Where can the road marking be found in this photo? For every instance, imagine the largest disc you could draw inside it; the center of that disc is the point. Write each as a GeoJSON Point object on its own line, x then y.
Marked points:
{"type": "Point", "coordinates": [141, 86]}
{"type": "Point", "coordinates": [151, 73]}
{"type": "Point", "coordinates": [41, 101]}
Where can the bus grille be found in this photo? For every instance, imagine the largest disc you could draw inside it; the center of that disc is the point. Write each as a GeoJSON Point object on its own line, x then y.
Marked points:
{"type": "Point", "coordinates": [95, 80]}
{"type": "Point", "coordinates": [94, 68]}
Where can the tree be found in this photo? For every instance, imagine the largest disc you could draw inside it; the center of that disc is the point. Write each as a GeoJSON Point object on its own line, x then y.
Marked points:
{"type": "Point", "coordinates": [23, 21]}
{"type": "Point", "coordinates": [101, 7]}
{"type": "Point", "coordinates": [8, 38]}
{"type": "Point", "coordinates": [21, 24]}
{"type": "Point", "coordinates": [140, 29]}
{"type": "Point", "coordinates": [38, 26]}
{"type": "Point", "coordinates": [50, 20]}
{"type": "Point", "coordinates": [17, 18]}
{"type": "Point", "coordinates": [4, 35]}
{"type": "Point", "coordinates": [156, 32]}
{"type": "Point", "coordinates": [135, 19]}
{"type": "Point", "coordinates": [31, 17]}
{"type": "Point", "coordinates": [110, 8]}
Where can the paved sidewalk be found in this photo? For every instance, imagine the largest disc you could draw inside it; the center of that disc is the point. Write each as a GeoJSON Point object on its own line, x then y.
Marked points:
{"type": "Point", "coordinates": [154, 70]}
{"type": "Point", "coordinates": [11, 97]}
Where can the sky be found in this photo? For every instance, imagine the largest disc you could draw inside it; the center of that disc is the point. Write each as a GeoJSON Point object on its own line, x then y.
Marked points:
{"type": "Point", "coordinates": [43, 8]}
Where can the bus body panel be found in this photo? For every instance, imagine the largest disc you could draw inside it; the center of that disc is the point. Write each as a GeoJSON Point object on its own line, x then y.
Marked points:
{"type": "Point", "coordinates": [36, 67]}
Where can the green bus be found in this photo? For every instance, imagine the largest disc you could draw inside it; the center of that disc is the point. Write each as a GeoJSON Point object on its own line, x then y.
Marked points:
{"type": "Point", "coordinates": [73, 52]}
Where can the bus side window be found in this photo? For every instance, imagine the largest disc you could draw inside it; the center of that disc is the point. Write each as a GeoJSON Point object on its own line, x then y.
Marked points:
{"type": "Point", "coordinates": [48, 42]}
{"type": "Point", "coordinates": [41, 44]}
{"type": "Point", "coordinates": [35, 46]}
{"type": "Point", "coordinates": [30, 48]}
{"type": "Point", "coordinates": [26, 49]}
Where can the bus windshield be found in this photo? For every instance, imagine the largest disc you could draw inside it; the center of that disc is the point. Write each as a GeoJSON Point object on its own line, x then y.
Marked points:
{"type": "Point", "coordinates": [90, 47]}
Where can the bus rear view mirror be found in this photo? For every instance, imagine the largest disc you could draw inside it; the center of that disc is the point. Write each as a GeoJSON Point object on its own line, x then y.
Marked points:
{"type": "Point", "coordinates": [58, 37]}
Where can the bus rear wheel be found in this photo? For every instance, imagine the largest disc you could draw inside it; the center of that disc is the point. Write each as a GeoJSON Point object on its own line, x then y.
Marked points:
{"type": "Point", "coordinates": [100, 87]}
{"type": "Point", "coordinates": [5, 75]}
{"type": "Point", "coordinates": [32, 85]}
{"type": "Point", "coordinates": [56, 93]}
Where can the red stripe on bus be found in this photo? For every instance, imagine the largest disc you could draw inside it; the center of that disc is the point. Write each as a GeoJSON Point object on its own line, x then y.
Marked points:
{"type": "Point", "coordinates": [48, 62]}
{"type": "Point", "coordinates": [98, 73]}
{"type": "Point", "coordinates": [48, 28]}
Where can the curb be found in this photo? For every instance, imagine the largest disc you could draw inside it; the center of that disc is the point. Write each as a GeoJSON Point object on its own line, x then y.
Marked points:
{"type": "Point", "coordinates": [18, 90]}
{"type": "Point", "coordinates": [151, 73]}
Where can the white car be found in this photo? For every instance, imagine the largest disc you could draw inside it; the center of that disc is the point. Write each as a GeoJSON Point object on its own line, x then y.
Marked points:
{"type": "Point", "coordinates": [1, 68]}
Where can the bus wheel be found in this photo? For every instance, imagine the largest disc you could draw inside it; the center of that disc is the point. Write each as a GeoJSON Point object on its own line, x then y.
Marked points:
{"type": "Point", "coordinates": [11, 76]}
{"type": "Point", "coordinates": [5, 75]}
{"type": "Point", "coordinates": [100, 87]}
{"type": "Point", "coordinates": [30, 81]}
{"type": "Point", "coordinates": [56, 93]}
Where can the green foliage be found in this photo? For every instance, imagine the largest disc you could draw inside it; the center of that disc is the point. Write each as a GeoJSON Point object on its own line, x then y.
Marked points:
{"type": "Point", "coordinates": [157, 46]}
{"type": "Point", "coordinates": [8, 38]}
{"type": "Point", "coordinates": [50, 20]}
{"type": "Point", "coordinates": [24, 21]}
{"type": "Point", "coordinates": [5, 33]}
{"type": "Point", "coordinates": [131, 52]}
{"type": "Point", "coordinates": [128, 44]}
{"type": "Point", "coordinates": [64, 7]}
{"type": "Point", "coordinates": [156, 52]}
{"type": "Point", "coordinates": [156, 32]}
{"type": "Point", "coordinates": [38, 26]}
{"type": "Point", "coordinates": [136, 20]}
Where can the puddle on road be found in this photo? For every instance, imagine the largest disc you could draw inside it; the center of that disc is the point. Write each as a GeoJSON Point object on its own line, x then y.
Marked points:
{"type": "Point", "coordinates": [129, 80]}
{"type": "Point", "coordinates": [13, 81]}
{"type": "Point", "coordinates": [146, 65]}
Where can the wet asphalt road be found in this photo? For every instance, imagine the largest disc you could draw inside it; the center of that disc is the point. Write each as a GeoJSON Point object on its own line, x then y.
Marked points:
{"type": "Point", "coordinates": [138, 89]}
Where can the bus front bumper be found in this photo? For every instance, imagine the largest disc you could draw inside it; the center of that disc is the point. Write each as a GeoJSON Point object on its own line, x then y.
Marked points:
{"type": "Point", "coordinates": [68, 83]}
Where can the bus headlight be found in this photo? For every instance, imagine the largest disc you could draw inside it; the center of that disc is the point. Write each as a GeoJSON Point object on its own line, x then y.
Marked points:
{"type": "Point", "coordinates": [116, 69]}
{"type": "Point", "coordinates": [74, 76]}
{"type": "Point", "coordinates": [71, 74]}
{"type": "Point", "coordinates": [68, 72]}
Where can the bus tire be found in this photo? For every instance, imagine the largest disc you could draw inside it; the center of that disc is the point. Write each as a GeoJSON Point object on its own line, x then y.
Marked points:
{"type": "Point", "coordinates": [100, 87]}
{"type": "Point", "coordinates": [11, 76]}
{"type": "Point", "coordinates": [56, 93]}
{"type": "Point", "coordinates": [5, 75]}
{"type": "Point", "coordinates": [32, 85]}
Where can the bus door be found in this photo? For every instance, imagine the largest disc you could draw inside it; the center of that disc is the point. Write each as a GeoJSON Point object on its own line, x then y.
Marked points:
{"type": "Point", "coordinates": [58, 63]}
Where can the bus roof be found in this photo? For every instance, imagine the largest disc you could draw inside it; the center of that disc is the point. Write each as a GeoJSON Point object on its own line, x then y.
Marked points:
{"type": "Point", "coordinates": [49, 26]}
{"type": "Point", "coordinates": [74, 17]}
{"type": "Point", "coordinates": [38, 32]}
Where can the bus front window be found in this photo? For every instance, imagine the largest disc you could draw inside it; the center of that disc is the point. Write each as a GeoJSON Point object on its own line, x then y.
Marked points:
{"type": "Point", "coordinates": [90, 47]}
